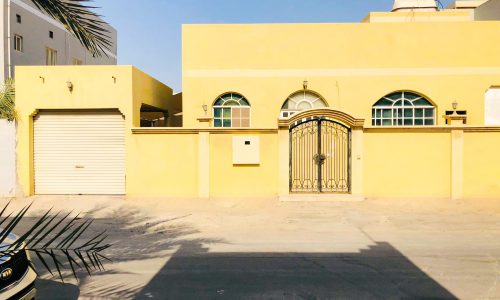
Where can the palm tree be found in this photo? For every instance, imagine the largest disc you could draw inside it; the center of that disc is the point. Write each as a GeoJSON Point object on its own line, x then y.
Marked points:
{"type": "Point", "coordinates": [81, 21]}
{"type": "Point", "coordinates": [7, 98]}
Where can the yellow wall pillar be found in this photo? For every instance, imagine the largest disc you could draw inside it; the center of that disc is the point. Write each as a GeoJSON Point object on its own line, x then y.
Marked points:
{"type": "Point", "coordinates": [283, 162]}
{"type": "Point", "coordinates": [457, 153]}
{"type": "Point", "coordinates": [457, 163]}
{"type": "Point", "coordinates": [204, 165]}
{"type": "Point", "coordinates": [357, 162]}
{"type": "Point", "coordinates": [204, 159]}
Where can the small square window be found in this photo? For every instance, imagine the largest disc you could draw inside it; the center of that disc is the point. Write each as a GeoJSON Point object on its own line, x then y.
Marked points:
{"type": "Point", "coordinates": [19, 19]}
{"type": "Point", "coordinates": [51, 34]}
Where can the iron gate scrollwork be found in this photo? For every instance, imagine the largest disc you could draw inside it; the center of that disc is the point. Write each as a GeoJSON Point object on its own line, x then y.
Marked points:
{"type": "Point", "coordinates": [320, 156]}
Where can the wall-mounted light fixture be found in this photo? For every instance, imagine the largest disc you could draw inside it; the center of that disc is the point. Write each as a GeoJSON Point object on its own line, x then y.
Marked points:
{"type": "Point", "coordinates": [304, 84]}
{"type": "Point", "coordinates": [69, 84]}
{"type": "Point", "coordinates": [454, 105]}
{"type": "Point", "coordinates": [205, 108]}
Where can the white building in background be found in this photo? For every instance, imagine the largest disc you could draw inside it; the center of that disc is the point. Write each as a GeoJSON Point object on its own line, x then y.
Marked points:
{"type": "Point", "coordinates": [31, 37]}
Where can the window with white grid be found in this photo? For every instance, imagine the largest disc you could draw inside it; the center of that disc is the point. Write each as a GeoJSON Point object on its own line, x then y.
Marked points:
{"type": "Point", "coordinates": [403, 109]}
{"type": "Point", "coordinates": [231, 110]}
{"type": "Point", "coordinates": [301, 101]}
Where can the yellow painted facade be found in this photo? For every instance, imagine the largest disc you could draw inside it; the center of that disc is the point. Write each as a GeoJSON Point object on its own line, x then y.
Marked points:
{"type": "Point", "coordinates": [444, 56]}
{"type": "Point", "coordinates": [481, 165]}
{"type": "Point", "coordinates": [152, 171]}
{"type": "Point", "coordinates": [123, 88]}
{"type": "Point", "coordinates": [350, 65]}
{"type": "Point", "coordinates": [399, 161]}
{"type": "Point", "coordinates": [228, 180]}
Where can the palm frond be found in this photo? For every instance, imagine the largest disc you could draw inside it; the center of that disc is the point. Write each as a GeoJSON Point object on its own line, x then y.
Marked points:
{"type": "Point", "coordinates": [57, 243]}
{"type": "Point", "coordinates": [79, 19]}
{"type": "Point", "coordinates": [7, 101]}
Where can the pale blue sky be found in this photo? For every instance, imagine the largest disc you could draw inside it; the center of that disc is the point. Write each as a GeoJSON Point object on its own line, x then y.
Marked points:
{"type": "Point", "coordinates": [149, 31]}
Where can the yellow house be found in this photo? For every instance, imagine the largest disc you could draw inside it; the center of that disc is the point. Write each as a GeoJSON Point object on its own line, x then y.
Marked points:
{"type": "Point", "coordinates": [402, 104]}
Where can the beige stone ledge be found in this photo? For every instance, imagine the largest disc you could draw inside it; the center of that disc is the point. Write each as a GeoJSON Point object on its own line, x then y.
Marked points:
{"type": "Point", "coordinates": [433, 128]}
{"type": "Point", "coordinates": [321, 198]}
{"type": "Point", "coordinates": [180, 130]}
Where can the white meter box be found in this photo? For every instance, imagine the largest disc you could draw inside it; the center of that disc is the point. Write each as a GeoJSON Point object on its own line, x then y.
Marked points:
{"type": "Point", "coordinates": [246, 150]}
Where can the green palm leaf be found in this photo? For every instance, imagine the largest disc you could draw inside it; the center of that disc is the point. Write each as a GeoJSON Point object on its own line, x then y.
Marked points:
{"type": "Point", "coordinates": [56, 241]}
{"type": "Point", "coordinates": [7, 101]}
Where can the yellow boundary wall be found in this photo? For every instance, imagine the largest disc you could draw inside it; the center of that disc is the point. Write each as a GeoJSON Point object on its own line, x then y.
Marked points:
{"type": "Point", "coordinates": [440, 162]}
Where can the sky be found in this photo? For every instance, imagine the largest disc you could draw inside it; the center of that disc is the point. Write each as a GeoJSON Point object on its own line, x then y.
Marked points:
{"type": "Point", "coordinates": [149, 31]}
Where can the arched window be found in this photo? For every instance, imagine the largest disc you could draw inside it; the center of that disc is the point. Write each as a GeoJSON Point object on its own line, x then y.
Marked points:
{"type": "Point", "coordinates": [301, 101]}
{"type": "Point", "coordinates": [403, 109]}
{"type": "Point", "coordinates": [231, 110]}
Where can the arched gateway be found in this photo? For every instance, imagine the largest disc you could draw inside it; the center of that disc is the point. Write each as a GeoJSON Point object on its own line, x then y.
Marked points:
{"type": "Point", "coordinates": [320, 151]}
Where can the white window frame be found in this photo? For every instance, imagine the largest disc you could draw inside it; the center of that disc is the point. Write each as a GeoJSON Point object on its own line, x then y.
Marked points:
{"type": "Point", "coordinates": [231, 97]}
{"type": "Point", "coordinates": [378, 112]}
{"type": "Point", "coordinates": [287, 113]}
{"type": "Point", "coordinates": [492, 107]}
{"type": "Point", "coordinates": [50, 56]}
{"type": "Point", "coordinates": [298, 98]}
{"type": "Point", "coordinates": [18, 43]}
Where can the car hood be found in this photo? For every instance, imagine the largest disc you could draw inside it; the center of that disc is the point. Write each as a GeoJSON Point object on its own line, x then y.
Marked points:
{"type": "Point", "coordinates": [11, 238]}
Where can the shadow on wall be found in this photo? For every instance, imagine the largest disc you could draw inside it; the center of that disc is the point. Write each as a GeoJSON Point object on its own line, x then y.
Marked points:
{"type": "Point", "coordinates": [380, 272]}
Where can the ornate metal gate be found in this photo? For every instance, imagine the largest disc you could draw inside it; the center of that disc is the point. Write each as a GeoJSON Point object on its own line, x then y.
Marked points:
{"type": "Point", "coordinates": [320, 155]}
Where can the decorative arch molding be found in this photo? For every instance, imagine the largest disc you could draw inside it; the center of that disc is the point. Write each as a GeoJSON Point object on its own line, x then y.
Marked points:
{"type": "Point", "coordinates": [329, 113]}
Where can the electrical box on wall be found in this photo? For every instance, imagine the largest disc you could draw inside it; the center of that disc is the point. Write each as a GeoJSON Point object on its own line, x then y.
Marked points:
{"type": "Point", "coordinates": [246, 150]}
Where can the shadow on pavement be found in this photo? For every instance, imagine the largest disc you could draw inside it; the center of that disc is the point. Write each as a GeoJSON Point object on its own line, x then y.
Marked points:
{"type": "Point", "coordinates": [134, 236]}
{"type": "Point", "coordinates": [379, 272]}
{"type": "Point", "coordinates": [50, 289]}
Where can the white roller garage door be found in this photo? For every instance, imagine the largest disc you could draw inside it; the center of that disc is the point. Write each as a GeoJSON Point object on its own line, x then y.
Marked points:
{"type": "Point", "coordinates": [79, 153]}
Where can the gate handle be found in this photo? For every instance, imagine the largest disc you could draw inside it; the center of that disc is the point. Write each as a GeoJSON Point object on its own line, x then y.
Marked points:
{"type": "Point", "coordinates": [319, 159]}
{"type": "Point", "coordinates": [79, 167]}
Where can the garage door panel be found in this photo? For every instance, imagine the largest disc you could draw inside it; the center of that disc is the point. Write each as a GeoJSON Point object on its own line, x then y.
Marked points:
{"type": "Point", "coordinates": [79, 153]}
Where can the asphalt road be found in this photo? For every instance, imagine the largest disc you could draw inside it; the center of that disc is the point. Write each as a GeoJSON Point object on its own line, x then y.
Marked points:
{"type": "Point", "coordinates": [376, 249]}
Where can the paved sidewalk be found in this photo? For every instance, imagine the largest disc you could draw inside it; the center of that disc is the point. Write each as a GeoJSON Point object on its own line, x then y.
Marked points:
{"type": "Point", "coordinates": [266, 249]}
